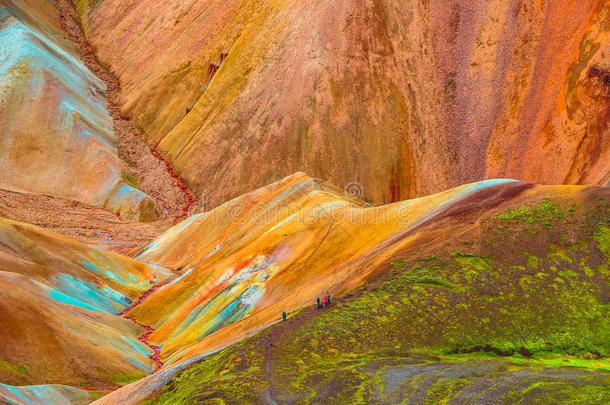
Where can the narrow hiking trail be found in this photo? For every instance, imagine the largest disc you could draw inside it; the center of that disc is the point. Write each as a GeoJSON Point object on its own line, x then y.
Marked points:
{"type": "Point", "coordinates": [271, 337]}
{"type": "Point", "coordinates": [275, 332]}
{"type": "Point", "coordinates": [153, 174]}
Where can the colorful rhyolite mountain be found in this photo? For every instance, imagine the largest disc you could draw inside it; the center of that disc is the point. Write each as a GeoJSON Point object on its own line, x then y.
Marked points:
{"type": "Point", "coordinates": [388, 100]}
{"type": "Point", "coordinates": [58, 310]}
{"type": "Point", "coordinates": [406, 98]}
{"type": "Point", "coordinates": [57, 137]}
{"type": "Point", "coordinates": [522, 261]}
{"type": "Point", "coordinates": [74, 312]}
{"type": "Point", "coordinates": [275, 249]}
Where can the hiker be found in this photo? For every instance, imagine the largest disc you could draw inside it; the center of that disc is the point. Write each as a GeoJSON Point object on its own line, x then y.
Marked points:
{"type": "Point", "coordinates": [319, 305]}
{"type": "Point", "coordinates": [284, 315]}
{"type": "Point", "coordinates": [329, 298]}
{"type": "Point", "coordinates": [326, 301]}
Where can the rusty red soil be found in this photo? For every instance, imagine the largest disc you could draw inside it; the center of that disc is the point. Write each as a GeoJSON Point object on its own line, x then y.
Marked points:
{"type": "Point", "coordinates": [109, 388]}
{"type": "Point", "coordinates": [189, 196]}
{"type": "Point", "coordinates": [144, 339]}
{"type": "Point", "coordinates": [155, 357]}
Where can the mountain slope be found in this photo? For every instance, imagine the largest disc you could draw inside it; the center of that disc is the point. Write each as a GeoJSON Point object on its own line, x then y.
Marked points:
{"type": "Point", "coordinates": [58, 310]}
{"type": "Point", "coordinates": [57, 134]}
{"type": "Point", "coordinates": [273, 250]}
{"type": "Point", "coordinates": [403, 98]}
{"type": "Point", "coordinates": [44, 395]}
{"type": "Point", "coordinates": [501, 297]}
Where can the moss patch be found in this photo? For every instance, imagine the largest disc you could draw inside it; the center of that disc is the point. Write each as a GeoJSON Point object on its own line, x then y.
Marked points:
{"type": "Point", "coordinates": [129, 179]}
{"type": "Point", "coordinates": [543, 213]}
{"type": "Point", "coordinates": [125, 379]}
{"type": "Point", "coordinates": [84, 6]}
{"type": "Point", "coordinates": [14, 374]}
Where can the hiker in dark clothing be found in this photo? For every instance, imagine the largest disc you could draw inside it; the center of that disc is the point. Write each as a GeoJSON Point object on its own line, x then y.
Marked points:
{"type": "Point", "coordinates": [284, 315]}
{"type": "Point", "coordinates": [329, 298]}
{"type": "Point", "coordinates": [319, 305]}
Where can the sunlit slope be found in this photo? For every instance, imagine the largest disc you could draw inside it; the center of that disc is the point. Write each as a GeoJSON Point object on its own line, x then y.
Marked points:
{"type": "Point", "coordinates": [501, 296]}
{"type": "Point", "coordinates": [44, 395]}
{"type": "Point", "coordinates": [57, 136]}
{"type": "Point", "coordinates": [58, 304]}
{"type": "Point", "coordinates": [269, 251]}
{"type": "Point", "coordinates": [407, 98]}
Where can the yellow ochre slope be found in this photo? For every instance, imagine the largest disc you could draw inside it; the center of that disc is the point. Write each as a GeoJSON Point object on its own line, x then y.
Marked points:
{"type": "Point", "coordinates": [407, 98]}
{"type": "Point", "coordinates": [276, 249]}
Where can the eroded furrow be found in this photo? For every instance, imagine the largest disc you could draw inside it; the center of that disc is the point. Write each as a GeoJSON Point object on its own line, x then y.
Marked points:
{"type": "Point", "coordinates": [155, 357]}
{"type": "Point", "coordinates": [143, 165]}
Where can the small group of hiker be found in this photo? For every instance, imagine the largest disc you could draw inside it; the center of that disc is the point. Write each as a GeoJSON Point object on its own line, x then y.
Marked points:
{"type": "Point", "coordinates": [327, 299]}
{"type": "Point", "coordinates": [597, 72]}
{"type": "Point", "coordinates": [325, 302]}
